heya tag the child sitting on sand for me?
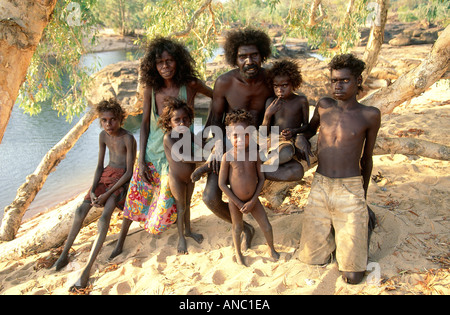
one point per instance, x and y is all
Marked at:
(287, 110)
(176, 119)
(110, 183)
(246, 181)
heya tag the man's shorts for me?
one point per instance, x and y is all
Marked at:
(338, 203)
(109, 178)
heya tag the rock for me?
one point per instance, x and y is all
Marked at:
(119, 80)
(429, 37)
(401, 40)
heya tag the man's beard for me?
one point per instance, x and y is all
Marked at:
(251, 75)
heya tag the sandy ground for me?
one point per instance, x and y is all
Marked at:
(409, 250)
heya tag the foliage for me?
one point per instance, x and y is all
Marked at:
(337, 31)
(122, 15)
(56, 74)
(255, 12)
(434, 11)
(194, 21)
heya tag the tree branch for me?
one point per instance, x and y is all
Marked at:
(313, 20)
(191, 23)
(416, 81)
(411, 146)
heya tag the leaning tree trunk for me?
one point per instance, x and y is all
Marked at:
(26, 193)
(376, 38)
(131, 101)
(416, 81)
(21, 25)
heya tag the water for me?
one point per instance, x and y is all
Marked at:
(27, 140)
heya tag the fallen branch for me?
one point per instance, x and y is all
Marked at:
(411, 146)
(52, 231)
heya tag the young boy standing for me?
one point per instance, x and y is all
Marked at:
(246, 181)
(109, 187)
(337, 200)
(286, 110)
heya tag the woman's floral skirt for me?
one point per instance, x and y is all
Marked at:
(151, 204)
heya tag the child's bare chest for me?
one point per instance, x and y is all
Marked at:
(336, 126)
(243, 168)
(290, 115)
(117, 150)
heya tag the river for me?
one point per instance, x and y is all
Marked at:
(27, 139)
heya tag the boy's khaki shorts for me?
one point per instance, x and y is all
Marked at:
(337, 202)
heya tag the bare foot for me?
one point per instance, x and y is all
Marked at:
(197, 237)
(240, 259)
(182, 246)
(274, 254)
(81, 283)
(200, 171)
(116, 252)
(61, 263)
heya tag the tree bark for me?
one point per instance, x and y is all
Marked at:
(411, 146)
(349, 12)
(34, 182)
(22, 23)
(313, 19)
(376, 38)
(416, 81)
(51, 232)
(106, 84)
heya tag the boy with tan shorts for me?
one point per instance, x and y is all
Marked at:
(337, 200)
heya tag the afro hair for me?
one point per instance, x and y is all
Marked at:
(185, 64)
(289, 68)
(249, 36)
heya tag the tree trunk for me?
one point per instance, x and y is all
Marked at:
(34, 182)
(21, 25)
(376, 38)
(119, 81)
(411, 146)
(313, 18)
(416, 81)
(349, 12)
(52, 231)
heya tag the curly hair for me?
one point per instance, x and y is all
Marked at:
(249, 36)
(172, 104)
(239, 116)
(185, 64)
(289, 68)
(111, 105)
(348, 61)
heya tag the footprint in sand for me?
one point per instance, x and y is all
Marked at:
(123, 288)
(218, 277)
